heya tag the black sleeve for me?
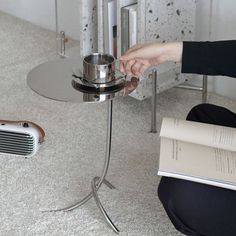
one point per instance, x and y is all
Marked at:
(210, 58)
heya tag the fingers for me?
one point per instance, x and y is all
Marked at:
(122, 66)
(128, 60)
(134, 67)
(128, 67)
(142, 69)
(132, 62)
(139, 67)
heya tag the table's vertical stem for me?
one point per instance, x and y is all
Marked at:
(108, 139)
(95, 186)
(154, 101)
(98, 181)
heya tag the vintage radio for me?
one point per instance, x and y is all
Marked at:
(21, 138)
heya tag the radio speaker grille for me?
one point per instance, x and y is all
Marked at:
(16, 143)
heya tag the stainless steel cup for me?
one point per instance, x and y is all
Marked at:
(99, 68)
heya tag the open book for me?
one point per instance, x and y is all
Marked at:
(198, 152)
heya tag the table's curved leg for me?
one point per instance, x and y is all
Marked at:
(97, 200)
(154, 102)
(106, 182)
(85, 199)
(97, 181)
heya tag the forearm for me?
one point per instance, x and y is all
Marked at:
(173, 51)
(210, 58)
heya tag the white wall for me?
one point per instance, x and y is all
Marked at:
(42, 13)
(222, 27)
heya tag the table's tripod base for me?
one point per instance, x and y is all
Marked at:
(94, 194)
(101, 208)
(98, 181)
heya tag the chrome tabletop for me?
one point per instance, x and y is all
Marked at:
(62, 80)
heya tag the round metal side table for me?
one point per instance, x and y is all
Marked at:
(62, 80)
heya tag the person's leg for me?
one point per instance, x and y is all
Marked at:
(199, 209)
(212, 114)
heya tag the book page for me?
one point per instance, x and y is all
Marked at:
(196, 160)
(200, 133)
(198, 179)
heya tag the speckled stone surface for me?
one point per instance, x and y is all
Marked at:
(168, 20)
(88, 27)
(163, 21)
(61, 172)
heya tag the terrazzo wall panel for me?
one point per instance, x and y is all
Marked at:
(163, 21)
(168, 20)
(88, 27)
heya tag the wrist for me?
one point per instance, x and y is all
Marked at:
(174, 51)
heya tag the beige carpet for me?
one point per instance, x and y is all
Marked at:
(61, 172)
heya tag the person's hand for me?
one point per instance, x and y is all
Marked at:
(130, 86)
(141, 56)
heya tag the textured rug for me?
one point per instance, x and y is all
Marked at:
(73, 153)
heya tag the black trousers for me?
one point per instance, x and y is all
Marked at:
(200, 209)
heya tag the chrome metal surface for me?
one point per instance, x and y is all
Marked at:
(203, 89)
(189, 87)
(95, 98)
(101, 208)
(99, 68)
(96, 184)
(63, 44)
(82, 84)
(154, 101)
(53, 79)
(107, 183)
(119, 77)
(101, 94)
